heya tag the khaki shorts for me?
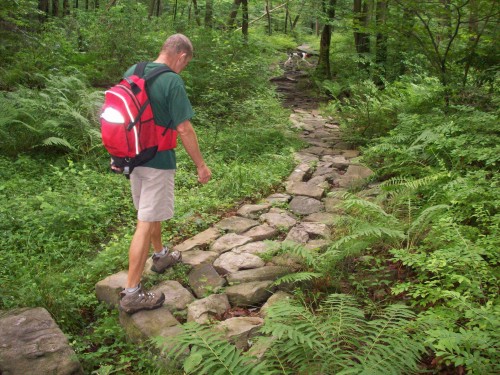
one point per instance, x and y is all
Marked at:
(153, 193)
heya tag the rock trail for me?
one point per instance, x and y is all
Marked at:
(227, 273)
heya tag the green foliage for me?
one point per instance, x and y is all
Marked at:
(337, 339)
(210, 353)
(61, 116)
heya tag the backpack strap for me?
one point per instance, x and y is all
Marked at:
(140, 67)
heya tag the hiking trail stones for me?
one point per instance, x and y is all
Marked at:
(236, 262)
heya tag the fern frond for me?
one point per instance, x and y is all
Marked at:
(57, 142)
(370, 231)
(297, 277)
(210, 353)
(297, 249)
(426, 216)
(400, 183)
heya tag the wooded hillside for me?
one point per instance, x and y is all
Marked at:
(413, 85)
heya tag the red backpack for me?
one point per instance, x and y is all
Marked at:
(129, 131)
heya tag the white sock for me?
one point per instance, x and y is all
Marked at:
(133, 290)
(163, 252)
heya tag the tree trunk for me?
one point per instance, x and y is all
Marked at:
(55, 8)
(209, 11)
(287, 16)
(43, 6)
(196, 12)
(86, 4)
(158, 8)
(323, 70)
(66, 8)
(244, 18)
(269, 26)
(233, 13)
(381, 42)
(361, 37)
(76, 4)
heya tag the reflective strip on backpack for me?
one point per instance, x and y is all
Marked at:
(136, 140)
(124, 102)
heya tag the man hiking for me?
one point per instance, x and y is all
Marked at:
(152, 183)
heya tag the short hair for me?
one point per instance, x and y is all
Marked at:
(177, 43)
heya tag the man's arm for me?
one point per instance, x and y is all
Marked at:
(190, 143)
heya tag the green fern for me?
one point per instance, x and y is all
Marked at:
(337, 339)
(297, 277)
(210, 353)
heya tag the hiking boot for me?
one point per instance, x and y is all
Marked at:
(161, 263)
(140, 300)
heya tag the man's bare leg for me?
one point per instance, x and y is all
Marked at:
(138, 252)
(156, 237)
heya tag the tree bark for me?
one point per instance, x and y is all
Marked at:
(209, 11)
(361, 37)
(381, 42)
(55, 8)
(269, 26)
(323, 70)
(66, 8)
(244, 18)
(233, 13)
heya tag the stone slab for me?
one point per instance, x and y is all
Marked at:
(261, 232)
(205, 280)
(145, 324)
(232, 261)
(302, 188)
(236, 224)
(240, 330)
(108, 290)
(201, 240)
(258, 274)
(253, 211)
(303, 205)
(198, 257)
(204, 310)
(228, 242)
(249, 294)
(176, 296)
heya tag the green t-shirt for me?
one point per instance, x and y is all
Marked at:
(171, 107)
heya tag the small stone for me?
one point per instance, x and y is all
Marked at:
(259, 247)
(278, 198)
(302, 188)
(297, 234)
(338, 161)
(278, 220)
(228, 242)
(108, 290)
(249, 294)
(197, 257)
(236, 224)
(259, 274)
(204, 310)
(315, 229)
(201, 240)
(276, 297)
(231, 262)
(240, 330)
(176, 296)
(204, 280)
(327, 218)
(253, 211)
(261, 232)
(145, 324)
(302, 205)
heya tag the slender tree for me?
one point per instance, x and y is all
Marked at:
(244, 18)
(381, 40)
(323, 68)
(209, 11)
(361, 36)
(231, 23)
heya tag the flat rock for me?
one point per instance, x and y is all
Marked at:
(279, 220)
(333, 205)
(327, 218)
(300, 172)
(201, 240)
(204, 310)
(349, 154)
(315, 229)
(320, 181)
(302, 188)
(236, 224)
(278, 198)
(31, 343)
(338, 161)
(176, 296)
(204, 280)
(249, 294)
(232, 261)
(229, 241)
(318, 151)
(317, 245)
(261, 232)
(240, 330)
(259, 247)
(305, 157)
(302, 205)
(253, 211)
(108, 290)
(297, 234)
(145, 324)
(353, 174)
(198, 257)
(259, 274)
(276, 297)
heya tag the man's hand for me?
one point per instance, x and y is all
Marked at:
(204, 173)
